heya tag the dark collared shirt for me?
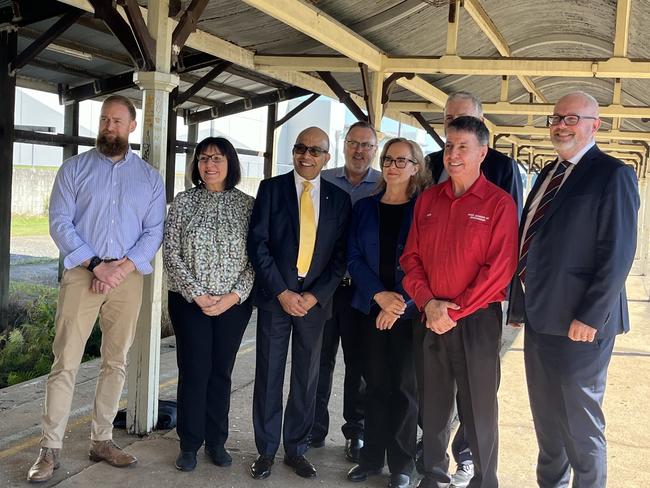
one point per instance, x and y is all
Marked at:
(462, 249)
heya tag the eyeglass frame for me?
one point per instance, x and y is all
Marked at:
(364, 146)
(394, 161)
(561, 118)
(314, 151)
(215, 158)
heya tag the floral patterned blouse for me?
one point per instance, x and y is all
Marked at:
(204, 246)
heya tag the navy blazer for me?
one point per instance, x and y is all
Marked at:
(363, 254)
(497, 168)
(581, 255)
(273, 240)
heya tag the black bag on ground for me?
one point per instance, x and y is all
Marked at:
(166, 416)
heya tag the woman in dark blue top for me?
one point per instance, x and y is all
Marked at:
(378, 231)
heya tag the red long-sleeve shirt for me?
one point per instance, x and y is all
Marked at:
(461, 249)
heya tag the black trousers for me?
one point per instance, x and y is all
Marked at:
(566, 385)
(342, 325)
(206, 348)
(459, 446)
(391, 396)
(464, 361)
(274, 328)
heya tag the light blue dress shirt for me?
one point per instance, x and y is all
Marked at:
(106, 209)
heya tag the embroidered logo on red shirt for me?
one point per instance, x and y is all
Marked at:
(480, 218)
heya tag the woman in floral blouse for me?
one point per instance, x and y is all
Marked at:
(210, 279)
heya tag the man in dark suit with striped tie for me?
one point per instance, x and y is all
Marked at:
(577, 244)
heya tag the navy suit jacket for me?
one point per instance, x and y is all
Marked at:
(273, 240)
(582, 253)
(363, 254)
(497, 168)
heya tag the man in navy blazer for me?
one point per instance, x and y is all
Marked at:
(291, 301)
(576, 249)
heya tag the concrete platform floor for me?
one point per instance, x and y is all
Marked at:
(627, 406)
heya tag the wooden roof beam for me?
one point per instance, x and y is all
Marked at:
(186, 25)
(485, 23)
(507, 108)
(622, 28)
(455, 65)
(58, 28)
(315, 23)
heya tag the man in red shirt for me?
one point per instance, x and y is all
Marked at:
(459, 257)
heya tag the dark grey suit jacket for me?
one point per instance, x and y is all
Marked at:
(273, 240)
(581, 255)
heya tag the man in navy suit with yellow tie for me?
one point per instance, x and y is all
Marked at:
(577, 244)
(296, 244)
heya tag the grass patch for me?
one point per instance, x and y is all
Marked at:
(23, 226)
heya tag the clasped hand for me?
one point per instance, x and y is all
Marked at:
(214, 305)
(297, 304)
(392, 306)
(438, 319)
(108, 276)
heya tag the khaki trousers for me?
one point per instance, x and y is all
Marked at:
(76, 313)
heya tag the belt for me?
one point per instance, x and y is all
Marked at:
(109, 260)
(301, 279)
(346, 282)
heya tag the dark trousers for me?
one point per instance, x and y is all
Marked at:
(274, 328)
(459, 446)
(391, 396)
(566, 385)
(206, 348)
(465, 362)
(343, 326)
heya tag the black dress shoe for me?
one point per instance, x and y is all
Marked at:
(399, 480)
(361, 473)
(261, 468)
(219, 455)
(186, 461)
(353, 449)
(301, 466)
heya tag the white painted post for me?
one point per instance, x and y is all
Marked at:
(144, 357)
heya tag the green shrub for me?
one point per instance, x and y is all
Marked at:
(26, 346)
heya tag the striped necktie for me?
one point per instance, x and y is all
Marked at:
(307, 229)
(544, 204)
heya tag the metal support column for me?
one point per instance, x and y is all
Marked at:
(271, 117)
(144, 357)
(192, 136)
(7, 95)
(70, 128)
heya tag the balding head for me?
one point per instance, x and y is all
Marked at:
(311, 152)
(569, 140)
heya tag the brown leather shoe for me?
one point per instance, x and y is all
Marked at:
(111, 453)
(43, 468)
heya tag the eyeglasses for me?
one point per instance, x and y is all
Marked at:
(568, 119)
(364, 146)
(399, 162)
(215, 158)
(314, 151)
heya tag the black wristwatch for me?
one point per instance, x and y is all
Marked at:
(94, 262)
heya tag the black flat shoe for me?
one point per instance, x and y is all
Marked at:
(219, 455)
(361, 473)
(399, 480)
(186, 461)
(301, 466)
(261, 468)
(353, 449)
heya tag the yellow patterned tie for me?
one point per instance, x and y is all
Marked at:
(307, 229)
